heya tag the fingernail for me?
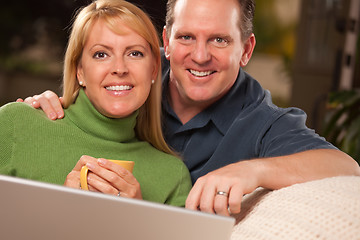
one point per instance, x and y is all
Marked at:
(90, 166)
(101, 161)
(33, 103)
(60, 114)
(52, 115)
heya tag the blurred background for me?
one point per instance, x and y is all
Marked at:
(307, 55)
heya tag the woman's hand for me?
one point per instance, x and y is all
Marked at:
(106, 177)
(48, 101)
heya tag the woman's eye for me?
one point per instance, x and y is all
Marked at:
(100, 55)
(136, 54)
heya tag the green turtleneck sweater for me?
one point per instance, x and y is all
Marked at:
(34, 147)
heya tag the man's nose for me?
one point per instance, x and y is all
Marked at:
(200, 53)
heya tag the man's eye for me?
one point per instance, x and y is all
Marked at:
(186, 37)
(220, 42)
(99, 55)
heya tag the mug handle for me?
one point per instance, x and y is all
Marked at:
(83, 178)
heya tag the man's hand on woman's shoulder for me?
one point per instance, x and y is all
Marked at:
(48, 101)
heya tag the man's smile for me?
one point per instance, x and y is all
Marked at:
(200, 73)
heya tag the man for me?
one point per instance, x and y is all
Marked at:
(231, 136)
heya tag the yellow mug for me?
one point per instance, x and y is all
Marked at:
(129, 165)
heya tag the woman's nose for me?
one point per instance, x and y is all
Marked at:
(119, 67)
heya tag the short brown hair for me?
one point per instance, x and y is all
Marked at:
(247, 8)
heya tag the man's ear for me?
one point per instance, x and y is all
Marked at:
(249, 46)
(166, 43)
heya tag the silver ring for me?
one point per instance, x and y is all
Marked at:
(225, 194)
(119, 194)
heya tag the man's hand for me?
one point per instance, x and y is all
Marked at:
(244, 177)
(48, 101)
(221, 191)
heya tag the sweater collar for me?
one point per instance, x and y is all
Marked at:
(84, 115)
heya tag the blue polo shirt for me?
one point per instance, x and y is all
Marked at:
(242, 125)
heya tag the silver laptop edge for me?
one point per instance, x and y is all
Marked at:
(36, 210)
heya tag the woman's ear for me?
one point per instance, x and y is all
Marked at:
(155, 72)
(249, 46)
(166, 43)
(80, 75)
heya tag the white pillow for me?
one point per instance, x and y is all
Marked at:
(322, 209)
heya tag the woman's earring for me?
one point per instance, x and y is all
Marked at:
(81, 83)
(152, 81)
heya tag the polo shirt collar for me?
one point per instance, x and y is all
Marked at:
(222, 113)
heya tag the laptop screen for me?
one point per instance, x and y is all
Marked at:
(36, 210)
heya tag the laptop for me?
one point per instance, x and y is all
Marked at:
(36, 210)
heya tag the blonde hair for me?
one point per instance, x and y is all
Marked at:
(148, 126)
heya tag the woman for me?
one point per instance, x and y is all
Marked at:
(111, 88)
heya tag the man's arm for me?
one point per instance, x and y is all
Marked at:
(243, 177)
(272, 173)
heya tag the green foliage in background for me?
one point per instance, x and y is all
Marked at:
(24, 25)
(273, 36)
(342, 124)
(13, 64)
